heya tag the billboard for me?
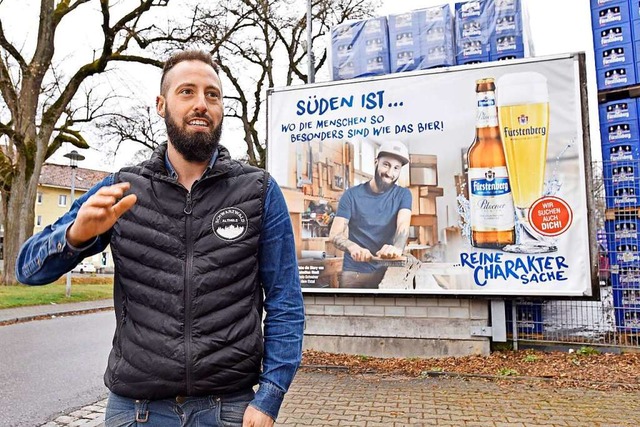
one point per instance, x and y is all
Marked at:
(469, 180)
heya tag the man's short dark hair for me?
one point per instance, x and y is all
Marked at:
(186, 55)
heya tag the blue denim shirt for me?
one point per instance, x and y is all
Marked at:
(47, 255)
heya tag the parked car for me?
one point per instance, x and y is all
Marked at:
(84, 267)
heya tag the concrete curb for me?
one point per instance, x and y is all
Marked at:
(25, 314)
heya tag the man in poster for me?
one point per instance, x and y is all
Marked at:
(373, 220)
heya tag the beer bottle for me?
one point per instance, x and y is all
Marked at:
(491, 205)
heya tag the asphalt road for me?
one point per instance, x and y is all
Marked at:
(49, 366)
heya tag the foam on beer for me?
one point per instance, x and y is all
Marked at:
(522, 88)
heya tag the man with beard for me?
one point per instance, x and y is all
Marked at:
(202, 246)
(373, 219)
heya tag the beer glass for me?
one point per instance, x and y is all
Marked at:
(523, 114)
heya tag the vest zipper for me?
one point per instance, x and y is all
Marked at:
(187, 293)
(187, 207)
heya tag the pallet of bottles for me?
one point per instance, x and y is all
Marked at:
(616, 38)
(625, 283)
(474, 31)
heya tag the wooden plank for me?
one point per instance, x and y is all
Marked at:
(617, 213)
(294, 199)
(424, 220)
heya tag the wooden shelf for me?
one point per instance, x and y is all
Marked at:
(618, 93)
(616, 213)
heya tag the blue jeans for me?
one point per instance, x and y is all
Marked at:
(206, 411)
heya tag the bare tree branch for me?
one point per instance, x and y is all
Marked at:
(99, 65)
(6, 45)
(7, 88)
(64, 9)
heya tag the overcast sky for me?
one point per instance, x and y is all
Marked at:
(557, 26)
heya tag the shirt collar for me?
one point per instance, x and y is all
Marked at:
(172, 172)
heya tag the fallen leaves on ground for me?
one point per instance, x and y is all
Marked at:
(583, 368)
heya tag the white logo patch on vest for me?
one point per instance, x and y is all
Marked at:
(230, 224)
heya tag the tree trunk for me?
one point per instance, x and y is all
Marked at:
(20, 206)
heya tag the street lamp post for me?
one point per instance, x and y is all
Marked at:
(74, 157)
(311, 73)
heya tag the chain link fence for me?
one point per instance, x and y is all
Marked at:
(613, 320)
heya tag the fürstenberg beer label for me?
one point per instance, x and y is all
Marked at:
(486, 115)
(490, 199)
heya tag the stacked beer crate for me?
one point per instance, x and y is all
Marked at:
(616, 34)
(421, 39)
(476, 31)
(491, 30)
(360, 49)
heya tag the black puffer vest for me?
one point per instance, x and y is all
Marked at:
(187, 295)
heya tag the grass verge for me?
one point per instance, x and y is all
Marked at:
(83, 288)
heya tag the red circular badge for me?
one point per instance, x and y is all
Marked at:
(550, 216)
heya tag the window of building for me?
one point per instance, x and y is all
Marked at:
(62, 200)
(39, 221)
(39, 198)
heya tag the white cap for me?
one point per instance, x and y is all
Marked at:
(396, 149)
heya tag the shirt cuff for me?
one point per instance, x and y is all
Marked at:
(268, 399)
(76, 250)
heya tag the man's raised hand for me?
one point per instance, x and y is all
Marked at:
(100, 212)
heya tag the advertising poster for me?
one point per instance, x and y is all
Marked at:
(467, 180)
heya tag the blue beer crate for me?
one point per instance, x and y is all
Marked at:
(400, 40)
(622, 178)
(435, 26)
(635, 29)
(610, 14)
(404, 22)
(437, 47)
(634, 6)
(344, 51)
(374, 27)
(625, 253)
(360, 49)
(613, 36)
(375, 46)
(621, 151)
(472, 52)
(620, 173)
(620, 131)
(623, 196)
(506, 44)
(404, 42)
(615, 56)
(507, 56)
(437, 56)
(626, 298)
(528, 315)
(404, 60)
(621, 229)
(616, 77)
(625, 277)
(507, 7)
(628, 319)
(346, 70)
(474, 10)
(436, 35)
(618, 111)
(508, 24)
(376, 65)
(602, 3)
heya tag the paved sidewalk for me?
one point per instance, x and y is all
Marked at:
(333, 398)
(325, 398)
